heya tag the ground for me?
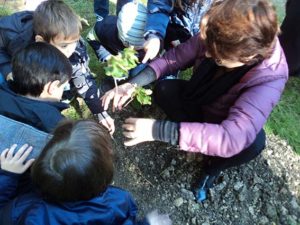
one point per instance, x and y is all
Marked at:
(265, 191)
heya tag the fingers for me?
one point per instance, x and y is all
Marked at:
(25, 155)
(131, 142)
(128, 127)
(10, 153)
(3, 154)
(20, 152)
(131, 120)
(28, 164)
(108, 96)
(147, 56)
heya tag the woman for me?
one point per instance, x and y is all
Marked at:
(238, 77)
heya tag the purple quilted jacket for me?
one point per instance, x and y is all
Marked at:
(235, 118)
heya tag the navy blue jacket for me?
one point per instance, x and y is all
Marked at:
(16, 32)
(43, 115)
(113, 207)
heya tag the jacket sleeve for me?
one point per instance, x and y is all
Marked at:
(158, 17)
(8, 188)
(238, 131)
(83, 80)
(179, 58)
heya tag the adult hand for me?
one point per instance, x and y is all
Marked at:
(119, 95)
(15, 162)
(138, 130)
(151, 48)
(108, 122)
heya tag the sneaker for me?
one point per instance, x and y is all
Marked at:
(206, 182)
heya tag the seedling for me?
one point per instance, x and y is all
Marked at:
(118, 67)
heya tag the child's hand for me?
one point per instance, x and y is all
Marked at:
(15, 162)
(154, 218)
(151, 47)
(108, 122)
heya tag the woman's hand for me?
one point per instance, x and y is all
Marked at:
(14, 163)
(138, 130)
(120, 95)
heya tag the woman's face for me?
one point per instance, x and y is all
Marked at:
(226, 63)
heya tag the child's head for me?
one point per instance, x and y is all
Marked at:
(40, 70)
(241, 31)
(56, 23)
(76, 164)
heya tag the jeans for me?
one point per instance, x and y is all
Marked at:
(14, 132)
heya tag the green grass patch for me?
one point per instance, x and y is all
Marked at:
(285, 118)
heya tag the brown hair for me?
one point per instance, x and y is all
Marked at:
(53, 18)
(76, 164)
(240, 30)
(180, 3)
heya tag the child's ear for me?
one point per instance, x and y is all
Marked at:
(52, 86)
(39, 38)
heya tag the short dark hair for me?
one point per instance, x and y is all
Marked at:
(238, 29)
(36, 65)
(54, 17)
(76, 164)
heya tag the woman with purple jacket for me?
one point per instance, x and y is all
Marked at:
(239, 74)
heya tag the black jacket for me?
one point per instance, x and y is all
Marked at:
(16, 32)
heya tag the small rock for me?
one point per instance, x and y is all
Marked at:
(283, 210)
(294, 203)
(238, 185)
(194, 220)
(178, 202)
(271, 211)
(205, 223)
(292, 220)
(264, 220)
(221, 186)
(166, 174)
(187, 194)
(173, 162)
(251, 210)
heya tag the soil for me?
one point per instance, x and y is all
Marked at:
(159, 176)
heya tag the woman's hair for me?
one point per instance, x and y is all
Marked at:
(240, 30)
(76, 164)
(180, 3)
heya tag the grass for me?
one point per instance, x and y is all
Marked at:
(285, 118)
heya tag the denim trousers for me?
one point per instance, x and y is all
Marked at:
(14, 132)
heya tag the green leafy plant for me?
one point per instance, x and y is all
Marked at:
(118, 67)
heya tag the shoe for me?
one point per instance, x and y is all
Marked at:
(206, 182)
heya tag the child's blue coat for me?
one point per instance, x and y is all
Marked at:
(114, 206)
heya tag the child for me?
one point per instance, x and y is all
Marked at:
(290, 36)
(40, 73)
(167, 23)
(71, 182)
(56, 23)
(239, 74)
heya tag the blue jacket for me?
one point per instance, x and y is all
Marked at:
(42, 115)
(161, 13)
(27, 207)
(16, 32)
